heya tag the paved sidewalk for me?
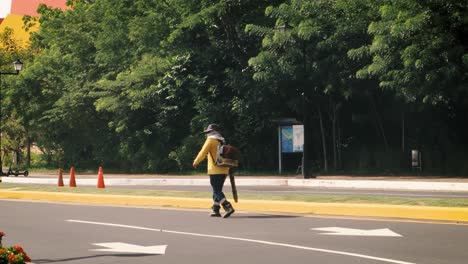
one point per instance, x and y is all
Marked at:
(408, 183)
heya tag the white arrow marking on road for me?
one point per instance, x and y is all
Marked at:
(247, 240)
(130, 248)
(340, 231)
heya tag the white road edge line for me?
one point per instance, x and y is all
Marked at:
(247, 240)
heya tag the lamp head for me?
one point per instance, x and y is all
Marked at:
(18, 66)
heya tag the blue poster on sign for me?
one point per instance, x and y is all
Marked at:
(287, 139)
(292, 139)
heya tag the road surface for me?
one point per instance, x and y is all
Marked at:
(78, 233)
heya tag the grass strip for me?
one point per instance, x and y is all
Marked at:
(352, 199)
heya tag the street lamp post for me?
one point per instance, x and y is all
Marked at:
(18, 67)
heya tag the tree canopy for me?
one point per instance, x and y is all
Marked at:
(131, 84)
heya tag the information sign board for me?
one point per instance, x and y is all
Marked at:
(292, 139)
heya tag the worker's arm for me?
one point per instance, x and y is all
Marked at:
(202, 154)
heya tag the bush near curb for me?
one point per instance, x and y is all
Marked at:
(12, 255)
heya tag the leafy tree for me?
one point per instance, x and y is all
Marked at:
(129, 84)
(214, 35)
(419, 49)
(306, 51)
(13, 123)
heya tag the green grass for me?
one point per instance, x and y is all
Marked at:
(360, 199)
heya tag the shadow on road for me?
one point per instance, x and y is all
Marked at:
(37, 261)
(264, 216)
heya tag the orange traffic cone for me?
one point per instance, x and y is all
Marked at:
(100, 183)
(60, 178)
(72, 177)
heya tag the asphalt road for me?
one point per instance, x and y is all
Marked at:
(68, 233)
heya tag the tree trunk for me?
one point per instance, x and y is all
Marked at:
(1, 157)
(403, 143)
(378, 120)
(340, 163)
(1, 147)
(306, 161)
(402, 131)
(28, 153)
(324, 144)
(335, 157)
(334, 109)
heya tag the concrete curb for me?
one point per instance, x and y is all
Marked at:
(372, 210)
(357, 184)
(382, 185)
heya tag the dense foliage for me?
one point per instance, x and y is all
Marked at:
(130, 84)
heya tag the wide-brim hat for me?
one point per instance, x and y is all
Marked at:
(212, 127)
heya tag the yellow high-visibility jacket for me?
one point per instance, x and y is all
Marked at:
(209, 151)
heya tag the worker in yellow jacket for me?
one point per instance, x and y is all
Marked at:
(217, 174)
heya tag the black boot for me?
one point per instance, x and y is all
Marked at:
(215, 212)
(227, 206)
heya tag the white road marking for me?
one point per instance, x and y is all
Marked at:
(130, 248)
(340, 231)
(248, 240)
(116, 225)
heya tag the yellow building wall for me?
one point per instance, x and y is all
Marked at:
(15, 22)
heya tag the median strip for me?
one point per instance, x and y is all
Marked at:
(375, 210)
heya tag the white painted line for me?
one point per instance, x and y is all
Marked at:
(340, 231)
(130, 248)
(250, 240)
(116, 225)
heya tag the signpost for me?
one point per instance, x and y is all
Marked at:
(290, 140)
